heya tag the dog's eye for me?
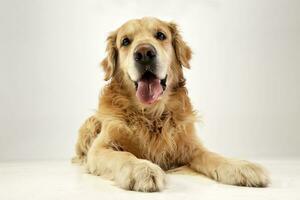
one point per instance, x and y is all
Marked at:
(126, 42)
(160, 36)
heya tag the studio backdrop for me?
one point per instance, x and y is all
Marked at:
(244, 79)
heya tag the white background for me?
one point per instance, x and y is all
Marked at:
(244, 81)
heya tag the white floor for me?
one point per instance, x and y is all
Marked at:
(62, 180)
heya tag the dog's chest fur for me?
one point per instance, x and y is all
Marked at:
(164, 135)
(159, 139)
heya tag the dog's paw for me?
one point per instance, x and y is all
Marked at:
(143, 176)
(241, 173)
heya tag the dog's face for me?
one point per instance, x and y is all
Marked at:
(150, 53)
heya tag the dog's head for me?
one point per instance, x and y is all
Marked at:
(149, 53)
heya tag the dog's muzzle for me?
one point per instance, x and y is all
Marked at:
(148, 87)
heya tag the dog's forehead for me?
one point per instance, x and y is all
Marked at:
(144, 25)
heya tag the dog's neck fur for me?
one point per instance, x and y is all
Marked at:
(119, 96)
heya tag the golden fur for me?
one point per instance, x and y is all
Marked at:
(132, 143)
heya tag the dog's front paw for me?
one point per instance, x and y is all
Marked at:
(242, 173)
(142, 176)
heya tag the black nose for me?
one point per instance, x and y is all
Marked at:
(144, 54)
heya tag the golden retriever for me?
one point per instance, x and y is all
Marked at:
(145, 123)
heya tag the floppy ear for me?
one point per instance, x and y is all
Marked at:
(182, 50)
(110, 61)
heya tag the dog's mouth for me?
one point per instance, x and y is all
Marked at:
(149, 87)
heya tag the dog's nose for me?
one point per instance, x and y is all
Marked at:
(144, 54)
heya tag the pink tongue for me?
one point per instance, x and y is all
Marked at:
(148, 91)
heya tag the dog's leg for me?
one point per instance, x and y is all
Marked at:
(87, 133)
(229, 171)
(128, 171)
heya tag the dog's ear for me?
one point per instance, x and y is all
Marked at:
(182, 50)
(110, 61)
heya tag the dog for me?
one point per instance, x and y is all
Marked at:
(145, 123)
